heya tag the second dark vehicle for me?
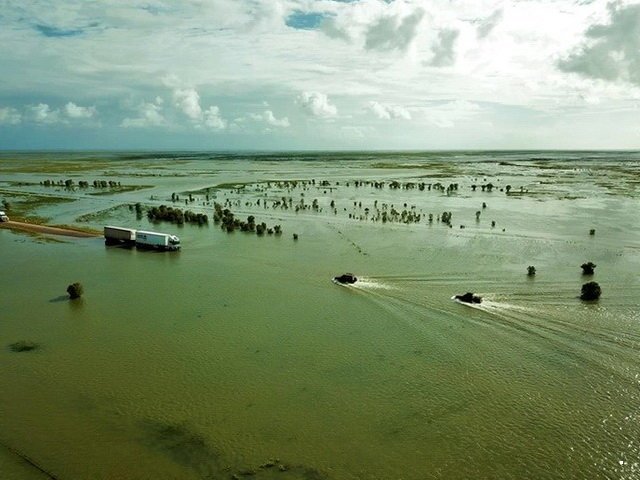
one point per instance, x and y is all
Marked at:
(346, 279)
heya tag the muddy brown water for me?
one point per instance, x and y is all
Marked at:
(238, 355)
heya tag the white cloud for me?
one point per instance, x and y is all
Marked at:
(9, 116)
(610, 51)
(232, 54)
(317, 104)
(388, 112)
(42, 113)
(149, 115)
(444, 49)
(376, 25)
(486, 26)
(270, 119)
(393, 32)
(212, 118)
(188, 101)
(75, 111)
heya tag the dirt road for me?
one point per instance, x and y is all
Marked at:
(33, 228)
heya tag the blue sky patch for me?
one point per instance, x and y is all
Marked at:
(305, 21)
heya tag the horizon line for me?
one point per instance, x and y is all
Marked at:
(272, 151)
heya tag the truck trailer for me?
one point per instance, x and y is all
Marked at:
(159, 241)
(116, 235)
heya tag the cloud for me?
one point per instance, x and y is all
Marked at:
(488, 24)
(43, 114)
(610, 51)
(270, 119)
(75, 111)
(49, 31)
(333, 29)
(388, 112)
(375, 25)
(232, 54)
(317, 104)
(188, 101)
(444, 49)
(392, 32)
(9, 116)
(212, 118)
(149, 115)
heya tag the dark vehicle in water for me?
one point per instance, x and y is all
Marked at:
(468, 298)
(346, 279)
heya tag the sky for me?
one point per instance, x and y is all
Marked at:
(319, 74)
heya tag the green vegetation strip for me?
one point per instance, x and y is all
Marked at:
(100, 214)
(21, 206)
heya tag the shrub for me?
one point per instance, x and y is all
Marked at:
(590, 291)
(75, 290)
(531, 270)
(587, 268)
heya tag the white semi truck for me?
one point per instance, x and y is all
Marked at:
(160, 241)
(140, 238)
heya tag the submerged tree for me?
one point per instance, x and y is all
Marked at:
(590, 291)
(587, 268)
(75, 290)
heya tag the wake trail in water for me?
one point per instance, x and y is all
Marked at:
(365, 283)
(403, 297)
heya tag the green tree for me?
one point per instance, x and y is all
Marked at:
(531, 270)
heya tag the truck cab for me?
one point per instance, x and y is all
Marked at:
(174, 241)
(3, 217)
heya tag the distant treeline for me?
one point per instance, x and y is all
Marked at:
(175, 215)
(81, 183)
(230, 223)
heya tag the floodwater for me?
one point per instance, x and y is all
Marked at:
(239, 356)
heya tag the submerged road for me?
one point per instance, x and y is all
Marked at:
(34, 228)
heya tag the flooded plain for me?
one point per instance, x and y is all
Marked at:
(238, 357)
